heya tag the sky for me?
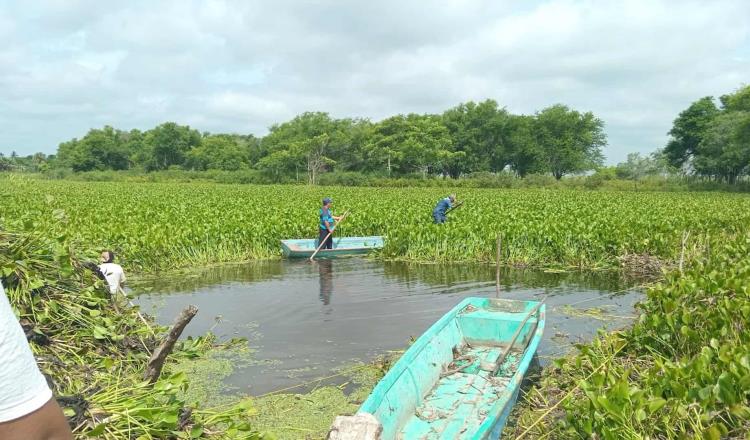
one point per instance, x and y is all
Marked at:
(240, 66)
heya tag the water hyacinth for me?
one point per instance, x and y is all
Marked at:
(156, 226)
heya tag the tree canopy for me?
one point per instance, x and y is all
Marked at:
(470, 137)
(712, 141)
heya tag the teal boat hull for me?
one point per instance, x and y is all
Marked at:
(342, 247)
(445, 386)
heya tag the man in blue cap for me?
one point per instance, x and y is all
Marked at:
(438, 214)
(327, 224)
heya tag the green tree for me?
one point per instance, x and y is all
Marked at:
(737, 101)
(688, 130)
(412, 143)
(311, 142)
(481, 132)
(168, 145)
(637, 166)
(525, 154)
(218, 152)
(99, 149)
(571, 141)
(724, 151)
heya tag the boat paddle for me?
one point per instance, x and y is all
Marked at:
(329, 234)
(501, 358)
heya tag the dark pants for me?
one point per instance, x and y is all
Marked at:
(438, 217)
(329, 242)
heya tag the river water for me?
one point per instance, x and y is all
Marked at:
(305, 319)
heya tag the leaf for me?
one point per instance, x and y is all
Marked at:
(97, 431)
(196, 432)
(656, 404)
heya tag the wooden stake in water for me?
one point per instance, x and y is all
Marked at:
(497, 264)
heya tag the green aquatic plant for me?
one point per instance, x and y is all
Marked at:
(155, 226)
(681, 371)
(95, 354)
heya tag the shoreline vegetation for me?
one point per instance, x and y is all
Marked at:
(95, 352)
(681, 371)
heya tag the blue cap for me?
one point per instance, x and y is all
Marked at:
(327, 200)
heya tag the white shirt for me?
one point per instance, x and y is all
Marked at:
(23, 389)
(114, 275)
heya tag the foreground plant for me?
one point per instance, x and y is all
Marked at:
(94, 357)
(682, 371)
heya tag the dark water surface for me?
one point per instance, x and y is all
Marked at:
(307, 319)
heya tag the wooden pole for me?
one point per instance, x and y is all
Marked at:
(502, 357)
(497, 264)
(329, 234)
(156, 362)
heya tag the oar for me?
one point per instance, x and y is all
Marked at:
(329, 234)
(501, 358)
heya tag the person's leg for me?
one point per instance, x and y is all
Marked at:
(321, 236)
(46, 423)
(329, 242)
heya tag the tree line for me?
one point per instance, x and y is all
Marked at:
(469, 138)
(707, 140)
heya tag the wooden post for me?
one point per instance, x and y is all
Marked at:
(497, 264)
(156, 362)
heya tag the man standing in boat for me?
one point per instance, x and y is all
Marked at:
(327, 224)
(441, 209)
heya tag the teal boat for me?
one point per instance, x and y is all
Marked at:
(342, 246)
(448, 385)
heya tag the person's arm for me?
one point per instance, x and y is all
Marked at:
(328, 226)
(46, 423)
(28, 411)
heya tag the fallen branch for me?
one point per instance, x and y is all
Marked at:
(156, 362)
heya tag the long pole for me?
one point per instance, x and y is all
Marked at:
(329, 234)
(502, 357)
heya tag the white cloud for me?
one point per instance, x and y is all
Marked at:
(239, 66)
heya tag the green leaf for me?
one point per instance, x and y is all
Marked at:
(656, 404)
(196, 432)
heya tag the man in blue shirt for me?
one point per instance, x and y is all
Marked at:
(438, 214)
(327, 224)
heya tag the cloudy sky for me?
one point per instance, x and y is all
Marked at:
(223, 66)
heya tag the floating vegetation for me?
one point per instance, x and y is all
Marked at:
(168, 225)
(600, 313)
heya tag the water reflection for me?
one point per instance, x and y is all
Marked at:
(189, 280)
(325, 273)
(449, 274)
(408, 274)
